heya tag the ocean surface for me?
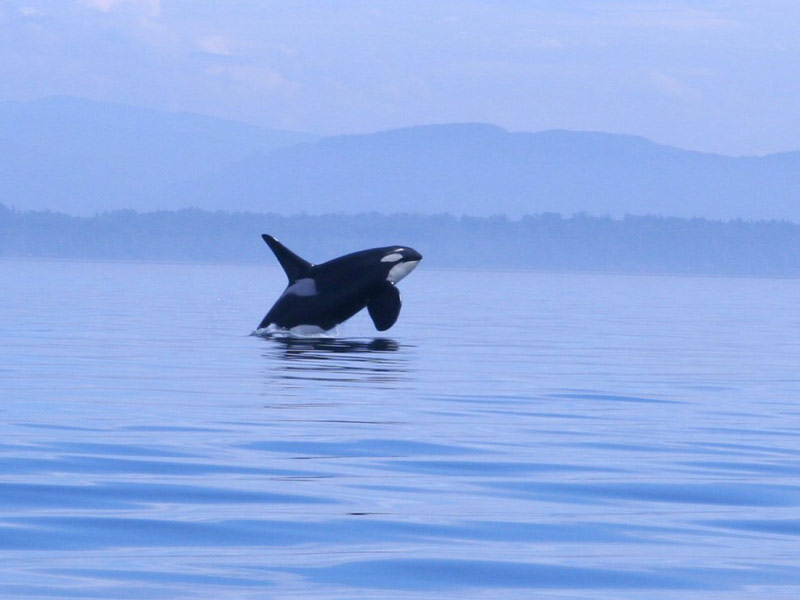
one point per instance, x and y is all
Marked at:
(515, 435)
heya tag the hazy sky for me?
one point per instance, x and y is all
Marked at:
(718, 75)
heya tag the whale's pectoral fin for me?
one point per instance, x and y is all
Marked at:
(384, 306)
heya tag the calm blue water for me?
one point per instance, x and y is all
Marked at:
(514, 436)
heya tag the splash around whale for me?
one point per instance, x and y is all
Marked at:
(318, 298)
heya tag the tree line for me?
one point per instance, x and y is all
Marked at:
(581, 242)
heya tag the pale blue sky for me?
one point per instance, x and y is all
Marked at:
(717, 75)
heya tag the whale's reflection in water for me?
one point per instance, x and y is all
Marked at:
(374, 360)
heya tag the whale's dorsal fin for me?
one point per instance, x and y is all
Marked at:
(294, 266)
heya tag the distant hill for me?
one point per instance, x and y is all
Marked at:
(80, 156)
(483, 170)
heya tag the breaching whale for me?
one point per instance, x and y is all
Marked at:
(322, 296)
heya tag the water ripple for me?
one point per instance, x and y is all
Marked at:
(521, 435)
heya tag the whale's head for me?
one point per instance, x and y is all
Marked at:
(400, 261)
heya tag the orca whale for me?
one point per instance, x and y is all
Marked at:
(320, 297)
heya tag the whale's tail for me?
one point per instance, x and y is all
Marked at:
(294, 266)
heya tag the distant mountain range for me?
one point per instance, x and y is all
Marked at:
(80, 157)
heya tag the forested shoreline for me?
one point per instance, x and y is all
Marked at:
(634, 244)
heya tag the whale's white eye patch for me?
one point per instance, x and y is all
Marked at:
(393, 257)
